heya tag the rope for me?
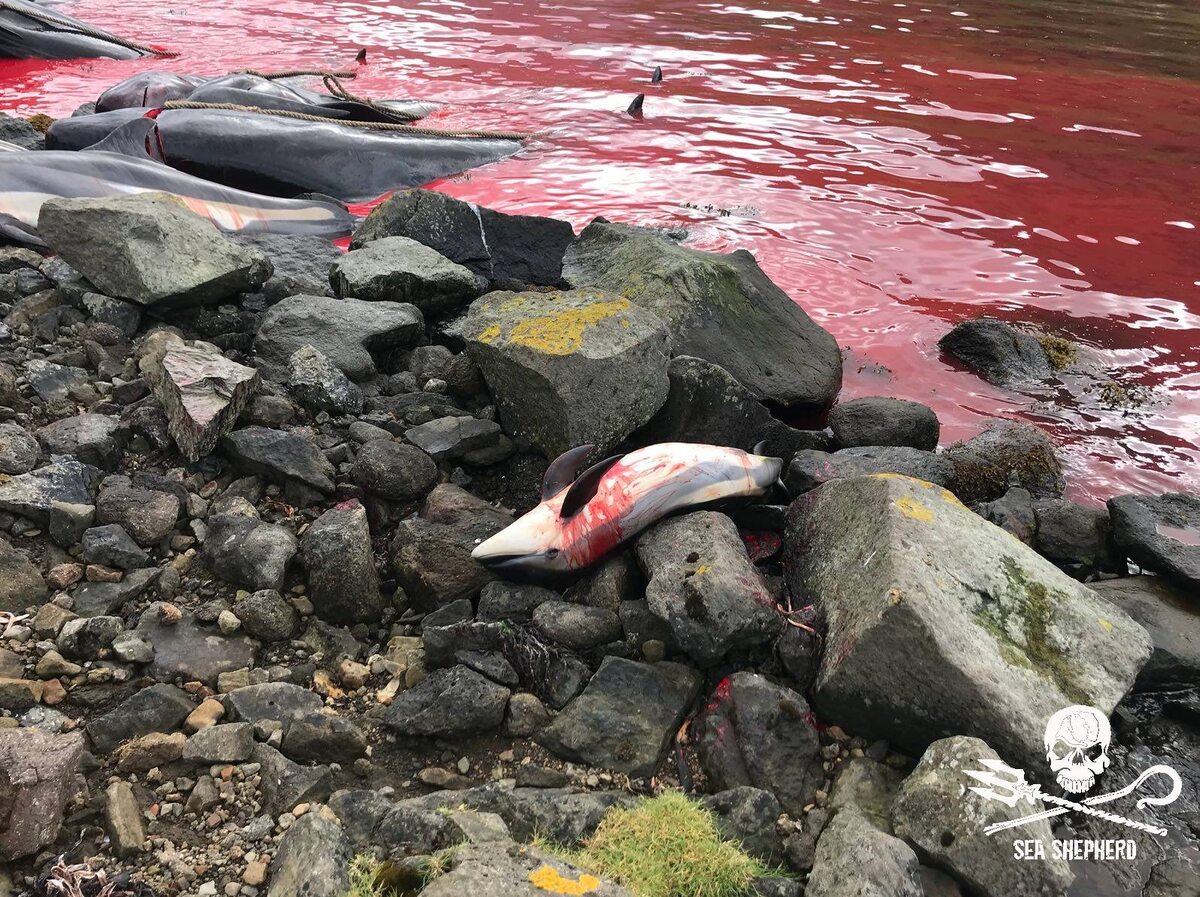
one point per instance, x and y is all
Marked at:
(335, 87)
(85, 30)
(367, 125)
(298, 73)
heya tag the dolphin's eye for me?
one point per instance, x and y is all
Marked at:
(551, 553)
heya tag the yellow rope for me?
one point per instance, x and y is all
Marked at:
(85, 30)
(367, 125)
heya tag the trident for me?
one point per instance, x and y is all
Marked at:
(1012, 788)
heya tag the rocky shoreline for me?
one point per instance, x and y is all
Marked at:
(243, 639)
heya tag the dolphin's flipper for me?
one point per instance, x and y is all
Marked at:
(562, 470)
(584, 489)
(138, 139)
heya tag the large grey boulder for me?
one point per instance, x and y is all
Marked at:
(701, 583)
(719, 307)
(37, 776)
(202, 392)
(1007, 453)
(397, 269)
(95, 439)
(855, 859)
(756, 732)
(706, 404)
(300, 262)
(449, 702)
(1171, 614)
(249, 552)
(342, 582)
(998, 352)
(945, 823)
(149, 248)
(910, 581)
(313, 860)
(507, 869)
(881, 420)
(33, 494)
(1160, 532)
(281, 456)
(809, 468)
(346, 331)
(395, 471)
(568, 368)
(625, 717)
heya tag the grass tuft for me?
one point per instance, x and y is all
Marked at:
(666, 846)
(371, 877)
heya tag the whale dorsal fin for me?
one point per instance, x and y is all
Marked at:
(137, 139)
(563, 470)
(584, 489)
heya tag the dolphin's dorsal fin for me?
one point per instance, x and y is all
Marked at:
(563, 470)
(584, 489)
(137, 139)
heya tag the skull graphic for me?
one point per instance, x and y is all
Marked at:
(1077, 740)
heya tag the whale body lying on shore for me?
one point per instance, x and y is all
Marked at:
(151, 90)
(285, 157)
(28, 31)
(27, 179)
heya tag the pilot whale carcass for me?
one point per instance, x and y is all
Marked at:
(27, 179)
(581, 519)
(31, 31)
(286, 157)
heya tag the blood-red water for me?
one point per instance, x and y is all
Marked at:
(895, 166)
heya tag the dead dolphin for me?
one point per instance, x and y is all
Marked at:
(247, 151)
(30, 31)
(581, 519)
(27, 179)
(155, 89)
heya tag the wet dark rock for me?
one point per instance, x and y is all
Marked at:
(313, 860)
(342, 582)
(32, 494)
(577, 626)
(701, 583)
(286, 783)
(248, 552)
(278, 701)
(460, 611)
(453, 437)
(125, 316)
(761, 734)
(21, 583)
(318, 383)
(266, 615)
(718, 307)
(320, 738)
(1161, 533)
(1005, 454)
(448, 702)
(397, 269)
(112, 546)
(280, 456)
(544, 354)
(157, 708)
(37, 777)
(187, 651)
(1076, 537)
(614, 580)
(431, 553)
(19, 450)
(54, 382)
(706, 404)
(877, 421)
(22, 133)
(150, 249)
(441, 222)
(394, 471)
(444, 643)
(459, 372)
(148, 515)
(1171, 614)
(810, 469)
(625, 717)
(346, 331)
(747, 816)
(499, 601)
(525, 249)
(1013, 512)
(301, 262)
(998, 351)
(85, 637)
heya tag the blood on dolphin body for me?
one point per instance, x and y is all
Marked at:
(577, 524)
(30, 31)
(242, 150)
(28, 179)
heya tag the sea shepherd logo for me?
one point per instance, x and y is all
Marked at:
(1077, 741)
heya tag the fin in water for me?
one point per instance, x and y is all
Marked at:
(584, 489)
(635, 108)
(563, 470)
(138, 139)
(657, 76)
(361, 58)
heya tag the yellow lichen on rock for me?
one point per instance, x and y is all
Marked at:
(489, 334)
(910, 507)
(547, 878)
(561, 333)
